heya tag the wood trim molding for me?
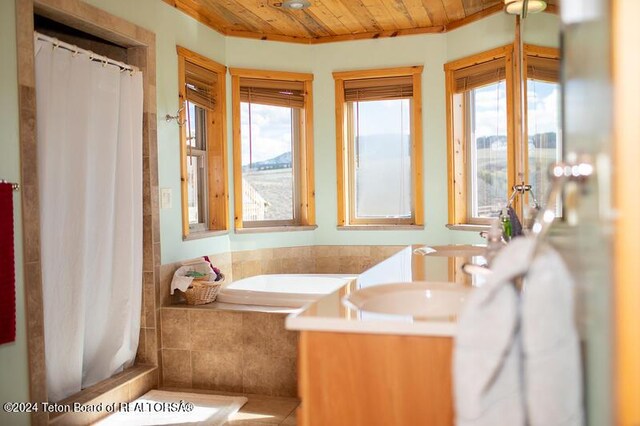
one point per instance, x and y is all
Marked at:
(341, 153)
(478, 58)
(306, 160)
(201, 60)
(237, 151)
(378, 73)
(474, 17)
(219, 26)
(184, 199)
(271, 75)
(217, 179)
(417, 153)
(344, 155)
(541, 51)
(456, 135)
(308, 191)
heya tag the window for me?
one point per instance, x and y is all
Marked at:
(483, 155)
(273, 150)
(544, 138)
(202, 119)
(379, 146)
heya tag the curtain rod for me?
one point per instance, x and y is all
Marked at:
(75, 49)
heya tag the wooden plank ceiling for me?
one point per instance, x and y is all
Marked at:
(337, 20)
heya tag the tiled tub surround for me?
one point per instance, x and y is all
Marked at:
(286, 260)
(230, 351)
(247, 349)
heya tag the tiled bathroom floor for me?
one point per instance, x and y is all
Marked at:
(260, 410)
(266, 411)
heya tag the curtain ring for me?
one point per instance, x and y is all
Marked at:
(75, 53)
(104, 63)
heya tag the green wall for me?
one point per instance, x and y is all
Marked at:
(14, 382)
(430, 50)
(172, 27)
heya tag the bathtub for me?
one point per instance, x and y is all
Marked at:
(283, 290)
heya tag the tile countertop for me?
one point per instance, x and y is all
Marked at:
(330, 313)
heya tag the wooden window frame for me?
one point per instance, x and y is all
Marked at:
(344, 155)
(457, 135)
(304, 176)
(216, 152)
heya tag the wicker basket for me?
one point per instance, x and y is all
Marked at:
(203, 291)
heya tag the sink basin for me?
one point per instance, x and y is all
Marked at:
(461, 250)
(424, 300)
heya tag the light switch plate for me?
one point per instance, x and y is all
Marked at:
(165, 198)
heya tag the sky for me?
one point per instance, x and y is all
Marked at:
(542, 105)
(271, 125)
(270, 131)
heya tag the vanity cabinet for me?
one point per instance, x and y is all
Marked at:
(356, 379)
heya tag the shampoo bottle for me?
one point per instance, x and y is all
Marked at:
(507, 230)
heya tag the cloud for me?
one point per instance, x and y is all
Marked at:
(270, 131)
(384, 117)
(543, 107)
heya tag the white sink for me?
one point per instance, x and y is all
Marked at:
(423, 300)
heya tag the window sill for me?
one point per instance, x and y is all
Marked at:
(198, 235)
(468, 227)
(380, 227)
(265, 229)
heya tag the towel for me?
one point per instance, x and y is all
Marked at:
(516, 226)
(551, 346)
(487, 360)
(182, 282)
(516, 359)
(7, 267)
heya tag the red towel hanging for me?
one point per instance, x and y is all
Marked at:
(7, 271)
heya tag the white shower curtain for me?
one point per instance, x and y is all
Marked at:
(89, 128)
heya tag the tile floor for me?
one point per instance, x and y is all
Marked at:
(260, 410)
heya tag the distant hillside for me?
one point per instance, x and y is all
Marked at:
(539, 140)
(282, 161)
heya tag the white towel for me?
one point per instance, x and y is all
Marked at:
(487, 357)
(182, 282)
(508, 358)
(553, 372)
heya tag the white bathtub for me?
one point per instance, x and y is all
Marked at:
(285, 290)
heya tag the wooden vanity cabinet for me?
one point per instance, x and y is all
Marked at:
(374, 379)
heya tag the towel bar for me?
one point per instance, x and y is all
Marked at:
(15, 186)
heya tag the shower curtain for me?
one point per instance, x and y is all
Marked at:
(89, 124)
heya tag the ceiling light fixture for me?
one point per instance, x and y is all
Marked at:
(523, 7)
(295, 4)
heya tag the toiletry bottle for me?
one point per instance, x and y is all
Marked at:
(507, 230)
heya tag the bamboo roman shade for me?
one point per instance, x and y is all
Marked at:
(375, 89)
(545, 69)
(478, 75)
(200, 85)
(272, 92)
